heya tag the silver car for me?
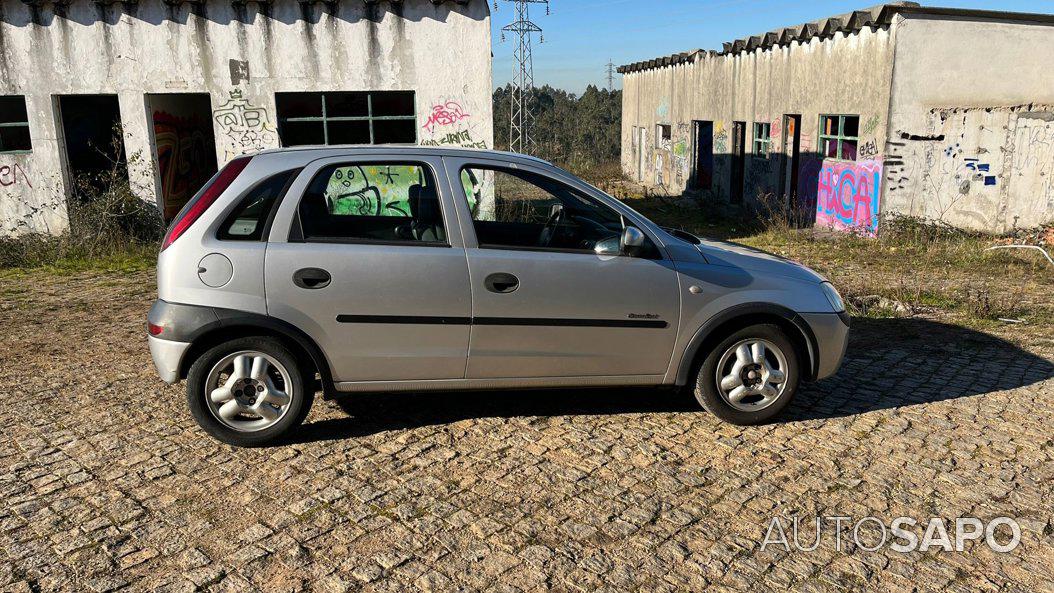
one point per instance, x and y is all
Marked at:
(366, 269)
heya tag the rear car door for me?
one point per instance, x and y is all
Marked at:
(544, 304)
(366, 257)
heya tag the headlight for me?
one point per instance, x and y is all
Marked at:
(833, 297)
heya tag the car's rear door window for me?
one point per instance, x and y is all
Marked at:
(392, 202)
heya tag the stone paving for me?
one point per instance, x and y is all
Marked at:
(107, 484)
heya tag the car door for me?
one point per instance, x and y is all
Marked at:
(364, 257)
(557, 309)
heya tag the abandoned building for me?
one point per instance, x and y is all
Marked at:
(940, 113)
(168, 91)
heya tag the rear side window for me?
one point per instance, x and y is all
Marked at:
(248, 221)
(373, 203)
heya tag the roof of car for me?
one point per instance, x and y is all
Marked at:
(408, 149)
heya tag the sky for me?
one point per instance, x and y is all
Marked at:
(580, 36)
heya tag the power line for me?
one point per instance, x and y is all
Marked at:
(521, 115)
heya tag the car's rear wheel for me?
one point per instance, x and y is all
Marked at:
(248, 391)
(750, 376)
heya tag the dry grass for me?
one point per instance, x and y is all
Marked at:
(926, 268)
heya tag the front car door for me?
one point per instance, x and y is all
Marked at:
(544, 304)
(367, 258)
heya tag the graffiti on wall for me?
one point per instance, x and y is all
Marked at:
(868, 150)
(720, 137)
(14, 175)
(186, 158)
(381, 190)
(869, 126)
(245, 126)
(449, 123)
(444, 114)
(847, 195)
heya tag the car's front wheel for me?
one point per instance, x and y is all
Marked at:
(248, 391)
(750, 376)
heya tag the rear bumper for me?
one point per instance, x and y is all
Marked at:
(168, 356)
(831, 331)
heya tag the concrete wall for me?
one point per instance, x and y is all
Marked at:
(848, 74)
(972, 124)
(240, 56)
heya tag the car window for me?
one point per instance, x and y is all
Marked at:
(517, 209)
(386, 202)
(247, 221)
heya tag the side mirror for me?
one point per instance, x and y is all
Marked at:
(632, 241)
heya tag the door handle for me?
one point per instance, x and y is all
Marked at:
(501, 283)
(312, 278)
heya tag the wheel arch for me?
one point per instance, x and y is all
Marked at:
(737, 317)
(231, 325)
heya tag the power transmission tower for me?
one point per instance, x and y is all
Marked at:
(611, 75)
(521, 115)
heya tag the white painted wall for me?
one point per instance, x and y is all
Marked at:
(442, 52)
(847, 74)
(972, 94)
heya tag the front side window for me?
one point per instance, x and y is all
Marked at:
(14, 125)
(521, 210)
(762, 139)
(374, 202)
(374, 117)
(839, 136)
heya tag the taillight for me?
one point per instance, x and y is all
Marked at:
(154, 329)
(220, 183)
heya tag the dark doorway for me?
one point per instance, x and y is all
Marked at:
(184, 145)
(703, 165)
(791, 158)
(91, 132)
(739, 139)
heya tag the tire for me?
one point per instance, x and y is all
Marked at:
(249, 392)
(755, 403)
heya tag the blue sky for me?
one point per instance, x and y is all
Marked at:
(581, 35)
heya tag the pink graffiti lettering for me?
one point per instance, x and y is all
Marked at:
(445, 114)
(12, 174)
(847, 195)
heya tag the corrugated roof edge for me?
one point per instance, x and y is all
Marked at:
(875, 16)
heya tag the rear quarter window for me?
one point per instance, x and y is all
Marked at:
(249, 219)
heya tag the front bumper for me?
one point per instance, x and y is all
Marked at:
(831, 331)
(168, 356)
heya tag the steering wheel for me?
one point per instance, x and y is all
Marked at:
(548, 233)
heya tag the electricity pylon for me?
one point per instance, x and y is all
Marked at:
(611, 75)
(521, 115)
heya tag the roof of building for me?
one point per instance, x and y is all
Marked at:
(177, 2)
(850, 22)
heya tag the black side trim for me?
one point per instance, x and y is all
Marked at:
(532, 321)
(517, 321)
(404, 319)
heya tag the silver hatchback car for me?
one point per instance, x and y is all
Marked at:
(366, 269)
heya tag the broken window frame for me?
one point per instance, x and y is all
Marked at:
(839, 137)
(17, 124)
(663, 132)
(762, 139)
(325, 119)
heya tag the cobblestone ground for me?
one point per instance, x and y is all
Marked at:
(107, 483)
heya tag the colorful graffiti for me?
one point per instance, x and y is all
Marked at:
(381, 190)
(462, 138)
(847, 195)
(245, 125)
(13, 175)
(186, 158)
(445, 114)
